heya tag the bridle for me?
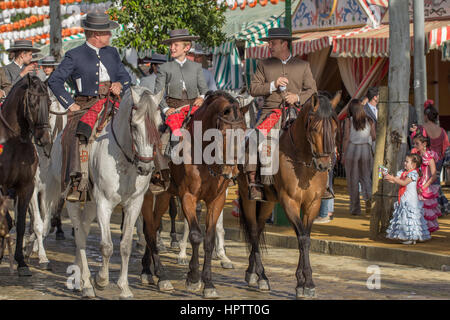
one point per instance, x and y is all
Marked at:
(314, 156)
(42, 121)
(136, 157)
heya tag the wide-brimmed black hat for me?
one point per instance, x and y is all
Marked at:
(48, 61)
(279, 33)
(98, 21)
(23, 45)
(156, 58)
(180, 35)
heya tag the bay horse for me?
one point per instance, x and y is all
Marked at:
(121, 161)
(192, 182)
(24, 116)
(305, 150)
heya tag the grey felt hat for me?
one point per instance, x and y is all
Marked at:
(180, 35)
(23, 45)
(279, 33)
(98, 21)
(48, 61)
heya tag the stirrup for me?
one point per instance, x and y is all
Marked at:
(74, 195)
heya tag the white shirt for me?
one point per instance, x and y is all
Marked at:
(181, 63)
(20, 66)
(374, 110)
(103, 73)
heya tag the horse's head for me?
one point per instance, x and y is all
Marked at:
(321, 130)
(36, 112)
(143, 125)
(222, 112)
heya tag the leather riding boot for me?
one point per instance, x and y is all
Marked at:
(254, 189)
(160, 179)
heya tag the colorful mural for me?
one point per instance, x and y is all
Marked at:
(433, 9)
(317, 14)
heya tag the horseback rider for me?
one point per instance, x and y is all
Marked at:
(96, 70)
(21, 52)
(184, 84)
(283, 80)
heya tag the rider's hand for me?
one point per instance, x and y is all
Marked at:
(281, 81)
(74, 107)
(291, 98)
(27, 69)
(198, 101)
(170, 111)
(2, 93)
(116, 88)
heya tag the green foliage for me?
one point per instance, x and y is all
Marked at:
(148, 22)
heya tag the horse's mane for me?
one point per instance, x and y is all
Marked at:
(22, 84)
(208, 107)
(152, 117)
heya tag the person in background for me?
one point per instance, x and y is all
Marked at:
(37, 71)
(357, 156)
(21, 53)
(427, 187)
(149, 81)
(371, 106)
(408, 223)
(198, 55)
(327, 202)
(438, 143)
(48, 65)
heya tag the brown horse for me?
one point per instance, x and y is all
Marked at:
(24, 116)
(192, 183)
(304, 159)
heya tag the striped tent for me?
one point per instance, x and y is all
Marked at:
(446, 51)
(226, 60)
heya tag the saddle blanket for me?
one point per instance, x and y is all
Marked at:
(91, 116)
(175, 120)
(271, 120)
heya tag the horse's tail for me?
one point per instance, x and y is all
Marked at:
(245, 226)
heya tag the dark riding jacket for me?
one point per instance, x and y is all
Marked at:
(81, 65)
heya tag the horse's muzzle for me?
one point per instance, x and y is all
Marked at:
(144, 169)
(321, 166)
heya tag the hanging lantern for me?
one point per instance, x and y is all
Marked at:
(252, 3)
(242, 6)
(263, 2)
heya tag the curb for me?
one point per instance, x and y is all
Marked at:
(341, 248)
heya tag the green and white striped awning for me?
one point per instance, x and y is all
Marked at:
(227, 68)
(258, 30)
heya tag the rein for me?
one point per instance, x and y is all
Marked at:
(136, 156)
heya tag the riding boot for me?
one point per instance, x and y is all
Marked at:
(254, 189)
(74, 194)
(160, 179)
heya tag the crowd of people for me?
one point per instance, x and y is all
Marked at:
(420, 200)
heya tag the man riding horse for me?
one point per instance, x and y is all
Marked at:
(284, 81)
(184, 85)
(96, 70)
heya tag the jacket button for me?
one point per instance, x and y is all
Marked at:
(95, 91)
(96, 82)
(97, 64)
(96, 73)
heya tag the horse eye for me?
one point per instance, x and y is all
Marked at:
(227, 112)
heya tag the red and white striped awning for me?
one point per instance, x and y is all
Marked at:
(375, 42)
(381, 3)
(438, 36)
(308, 42)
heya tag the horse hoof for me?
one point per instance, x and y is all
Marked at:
(45, 266)
(99, 284)
(60, 236)
(193, 287)
(305, 293)
(251, 279)
(263, 285)
(88, 293)
(210, 293)
(183, 261)
(24, 272)
(147, 279)
(226, 265)
(126, 297)
(165, 285)
(175, 245)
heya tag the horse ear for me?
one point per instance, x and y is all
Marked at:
(315, 102)
(136, 96)
(336, 99)
(158, 97)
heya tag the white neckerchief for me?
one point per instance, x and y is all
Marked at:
(103, 72)
(286, 61)
(20, 66)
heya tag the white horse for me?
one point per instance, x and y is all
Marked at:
(45, 196)
(120, 167)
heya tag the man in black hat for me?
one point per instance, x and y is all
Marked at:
(21, 53)
(184, 84)
(95, 69)
(283, 80)
(150, 80)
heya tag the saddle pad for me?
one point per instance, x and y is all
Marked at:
(271, 120)
(175, 120)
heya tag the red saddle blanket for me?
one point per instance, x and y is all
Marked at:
(271, 120)
(175, 120)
